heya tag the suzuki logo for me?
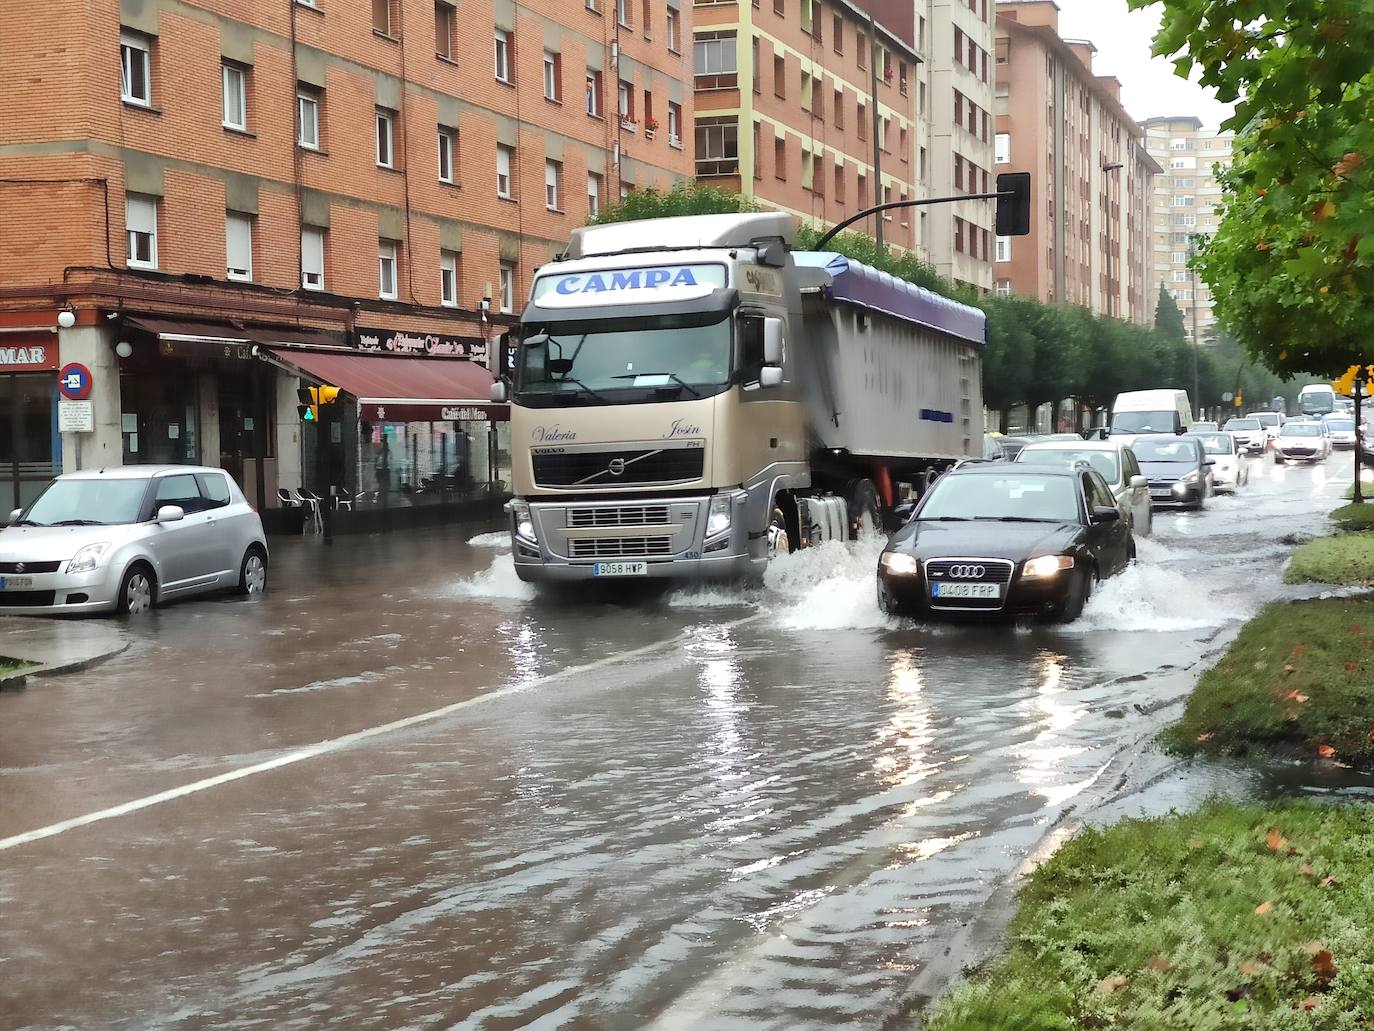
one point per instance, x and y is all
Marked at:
(19, 568)
(967, 572)
(617, 467)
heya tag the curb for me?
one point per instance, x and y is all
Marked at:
(18, 678)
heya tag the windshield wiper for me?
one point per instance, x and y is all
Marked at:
(945, 519)
(671, 375)
(586, 389)
(78, 522)
(26, 522)
(1018, 519)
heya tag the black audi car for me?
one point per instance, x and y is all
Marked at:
(995, 538)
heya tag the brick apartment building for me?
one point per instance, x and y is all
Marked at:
(786, 110)
(235, 198)
(1092, 177)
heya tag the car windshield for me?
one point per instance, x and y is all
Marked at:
(1105, 462)
(1267, 419)
(1347, 425)
(1242, 424)
(1218, 444)
(1038, 498)
(1144, 422)
(86, 501)
(1301, 429)
(1176, 450)
(1204, 427)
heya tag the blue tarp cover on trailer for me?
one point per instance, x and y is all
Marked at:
(865, 286)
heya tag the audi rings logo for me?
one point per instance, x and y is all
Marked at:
(617, 467)
(967, 572)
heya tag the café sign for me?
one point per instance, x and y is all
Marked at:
(405, 342)
(23, 354)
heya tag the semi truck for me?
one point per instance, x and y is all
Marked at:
(691, 397)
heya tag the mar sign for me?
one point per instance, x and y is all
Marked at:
(647, 285)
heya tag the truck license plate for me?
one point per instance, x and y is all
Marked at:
(620, 569)
(987, 591)
(15, 583)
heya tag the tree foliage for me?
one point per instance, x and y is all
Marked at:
(1169, 317)
(1292, 263)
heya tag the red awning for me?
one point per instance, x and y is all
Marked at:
(190, 331)
(403, 389)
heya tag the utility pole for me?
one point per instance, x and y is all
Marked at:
(878, 197)
(1360, 382)
(1192, 276)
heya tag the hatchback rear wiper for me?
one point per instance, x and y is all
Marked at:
(78, 522)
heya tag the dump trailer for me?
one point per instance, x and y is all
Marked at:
(692, 398)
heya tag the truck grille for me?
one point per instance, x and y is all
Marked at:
(620, 547)
(620, 515)
(642, 465)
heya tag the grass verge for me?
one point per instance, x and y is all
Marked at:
(8, 665)
(1299, 677)
(1354, 517)
(1346, 558)
(1252, 918)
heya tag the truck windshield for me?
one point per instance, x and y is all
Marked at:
(1144, 422)
(672, 354)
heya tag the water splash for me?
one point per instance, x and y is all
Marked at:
(498, 539)
(1147, 597)
(498, 581)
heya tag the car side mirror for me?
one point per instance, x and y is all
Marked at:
(14, 516)
(1103, 514)
(772, 341)
(498, 392)
(171, 514)
(903, 512)
(770, 376)
(1139, 482)
(1211, 461)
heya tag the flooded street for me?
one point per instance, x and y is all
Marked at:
(404, 790)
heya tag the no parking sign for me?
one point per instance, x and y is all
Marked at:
(74, 381)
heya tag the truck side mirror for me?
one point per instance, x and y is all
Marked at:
(770, 376)
(772, 341)
(498, 392)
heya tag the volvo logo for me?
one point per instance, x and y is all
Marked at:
(967, 572)
(617, 467)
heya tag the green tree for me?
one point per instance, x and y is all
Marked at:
(1292, 263)
(1169, 317)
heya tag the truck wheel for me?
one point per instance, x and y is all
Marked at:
(779, 541)
(932, 474)
(864, 509)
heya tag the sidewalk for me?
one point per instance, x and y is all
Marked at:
(59, 645)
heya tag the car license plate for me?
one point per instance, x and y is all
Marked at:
(1163, 493)
(620, 569)
(15, 583)
(985, 591)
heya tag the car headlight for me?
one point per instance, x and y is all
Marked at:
(718, 516)
(88, 557)
(1188, 477)
(1045, 566)
(898, 564)
(524, 523)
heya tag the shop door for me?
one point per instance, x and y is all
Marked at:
(29, 450)
(160, 418)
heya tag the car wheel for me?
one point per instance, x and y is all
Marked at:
(1071, 606)
(253, 571)
(888, 603)
(137, 590)
(1278, 460)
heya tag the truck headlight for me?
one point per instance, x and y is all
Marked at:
(524, 523)
(1045, 566)
(899, 564)
(718, 516)
(88, 557)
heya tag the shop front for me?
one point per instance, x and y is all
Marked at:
(30, 447)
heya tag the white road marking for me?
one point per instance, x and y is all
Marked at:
(336, 744)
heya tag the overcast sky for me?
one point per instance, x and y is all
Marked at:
(1123, 38)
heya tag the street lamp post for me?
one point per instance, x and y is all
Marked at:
(1111, 166)
(1359, 391)
(1192, 285)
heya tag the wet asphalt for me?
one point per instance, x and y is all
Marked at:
(403, 790)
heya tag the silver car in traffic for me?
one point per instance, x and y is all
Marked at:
(127, 539)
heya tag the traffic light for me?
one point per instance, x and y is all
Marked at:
(309, 398)
(326, 395)
(1014, 208)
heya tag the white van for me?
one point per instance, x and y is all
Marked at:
(1151, 411)
(1316, 399)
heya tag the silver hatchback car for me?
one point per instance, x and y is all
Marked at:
(130, 538)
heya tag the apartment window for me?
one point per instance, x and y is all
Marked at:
(674, 124)
(386, 138)
(625, 102)
(445, 22)
(502, 56)
(448, 149)
(386, 270)
(839, 184)
(448, 279)
(553, 178)
(838, 106)
(308, 118)
(817, 98)
(594, 94)
(553, 76)
(674, 31)
(593, 195)
(861, 120)
(901, 144)
(135, 69)
(1179, 257)
(622, 12)
(861, 48)
(506, 282)
(235, 88)
(1180, 275)
(806, 95)
(837, 34)
(808, 174)
(504, 156)
(312, 258)
(959, 235)
(780, 158)
(779, 76)
(1182, 201)
(1003, 248)
(649, 120)
(713, 61)
(1178, 144)
(646, 18)
(140, 219)
(717, 146)
(861, 190)
(958, 108)
(758, 149)
(1002, 147)
(1002, 288)
(381, 16)
(922, 104)
(238, 235)
(780, 8)
(958, 172)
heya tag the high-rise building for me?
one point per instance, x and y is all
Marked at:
(1183, 205)
(232, 198)
(1090, 175)
(810, 107)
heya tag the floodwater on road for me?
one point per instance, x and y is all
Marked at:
(406, 790)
